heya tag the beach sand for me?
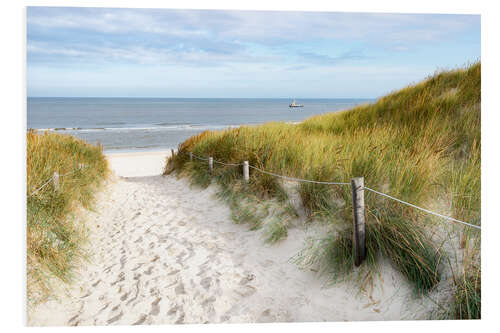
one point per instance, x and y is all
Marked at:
(165, 252)
(138, 164)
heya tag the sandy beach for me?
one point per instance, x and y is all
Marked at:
(163, 252)
(138, 164)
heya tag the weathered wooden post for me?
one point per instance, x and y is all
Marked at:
(211, 164)
(246, 172)
(190, 156)
(55, 181)
(172, 152)
(358, 207)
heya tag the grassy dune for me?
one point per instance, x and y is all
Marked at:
(420, 144)
(54, 235)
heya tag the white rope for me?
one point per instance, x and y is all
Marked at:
(38, 189)
(341, 183)
(298, 179)
(200, 158)
(51, 178)
(272, 174)
(215, 161)
(228, 164)
(423, 209)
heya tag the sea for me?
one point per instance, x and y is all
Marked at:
(148, 124)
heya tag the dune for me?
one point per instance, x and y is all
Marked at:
(163, 252)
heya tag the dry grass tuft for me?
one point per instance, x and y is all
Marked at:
(420, 144)
(54, 237)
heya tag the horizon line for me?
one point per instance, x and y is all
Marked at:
(201, 97)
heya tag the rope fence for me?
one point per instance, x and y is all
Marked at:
(423, 209)
(297, 179)
(55, 179)
(41, 187)
(358, 200)
(358, 188)
(228, 164)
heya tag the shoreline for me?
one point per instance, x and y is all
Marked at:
(113, 152)
(161, 149)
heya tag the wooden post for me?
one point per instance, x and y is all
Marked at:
(358, 207)
(211, 164)
(191, 156)
(55, 181)
(172, 153)
(246, 171)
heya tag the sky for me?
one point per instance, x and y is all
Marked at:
(112, 52)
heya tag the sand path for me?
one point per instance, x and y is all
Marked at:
(167, 253)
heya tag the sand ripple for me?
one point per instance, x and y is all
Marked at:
(167, 253)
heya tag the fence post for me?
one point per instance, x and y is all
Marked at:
(55, 181)
(191, 156)
(211, 164)
(358, 207)
(172, 153)
(246, 172)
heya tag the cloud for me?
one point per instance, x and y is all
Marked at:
(42, 52)
(253, 25)
(328, 60)
(264, 27)
(234, 44)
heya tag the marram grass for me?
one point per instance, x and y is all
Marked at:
(420, 144)
(54, 236)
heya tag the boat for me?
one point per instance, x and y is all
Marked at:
(295, 105)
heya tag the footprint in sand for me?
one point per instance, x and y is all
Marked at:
(121, 277)
(155, 308)
(137, 278)
(141, 320)
(205, 283)
(179, 290)
(96, 283)
(115, 318)
(124, 297)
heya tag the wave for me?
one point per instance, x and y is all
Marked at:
(57, 129)
(158, 127)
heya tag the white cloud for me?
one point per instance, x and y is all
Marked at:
(106, 55)
(256, 26)
(335, 54)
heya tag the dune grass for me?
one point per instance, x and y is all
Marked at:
(54, 235)
(420, 144)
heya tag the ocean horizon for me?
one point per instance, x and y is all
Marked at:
(146, 124)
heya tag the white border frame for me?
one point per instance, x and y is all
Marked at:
(13, 109)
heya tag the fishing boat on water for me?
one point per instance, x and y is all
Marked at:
(295, 105)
